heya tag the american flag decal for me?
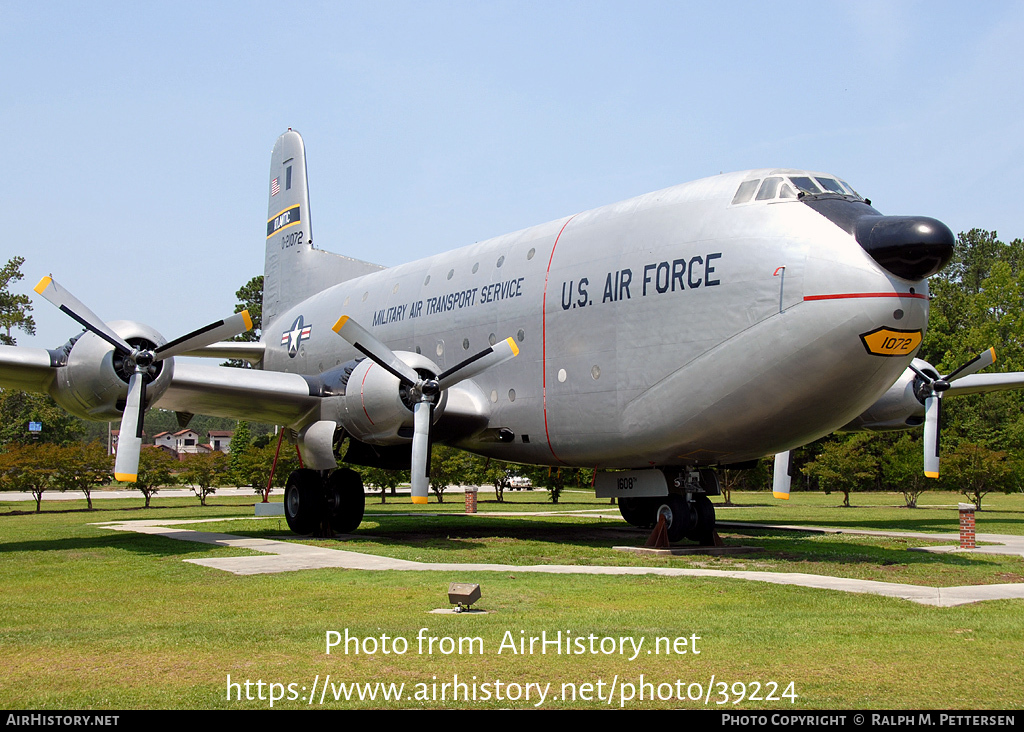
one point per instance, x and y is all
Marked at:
(275, 187)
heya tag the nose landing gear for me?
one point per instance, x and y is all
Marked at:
(687, 510)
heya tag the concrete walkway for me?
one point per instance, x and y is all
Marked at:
(1000, 543)
(282, 556)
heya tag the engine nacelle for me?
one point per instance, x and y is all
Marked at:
(93, 383)
(899, 408)
(376, 408)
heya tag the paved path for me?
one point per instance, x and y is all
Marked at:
(282, 556)
(1000, 543)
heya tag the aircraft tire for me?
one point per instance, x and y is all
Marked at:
(345, 500)
(639, 512)
(301, 501)
(704, 531)
(679, 515)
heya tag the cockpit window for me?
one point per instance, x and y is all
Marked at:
(831, 185)
(850, 188)
(769, 188)
(745, 191)
(789, 187)
(805, 184)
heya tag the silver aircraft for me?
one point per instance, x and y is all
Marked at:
(704, 325)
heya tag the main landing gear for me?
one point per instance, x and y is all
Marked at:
(322, 503)
(687, 509)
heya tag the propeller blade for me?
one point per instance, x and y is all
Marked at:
(423, 415)
(383, 356)
(976, 364)
(74, 307)
(129, 440)
(205, 336)
(932, 413)
(490, 356)
(782, 477)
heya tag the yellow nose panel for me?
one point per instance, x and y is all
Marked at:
(891, 342)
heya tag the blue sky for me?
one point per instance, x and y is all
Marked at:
(139, 134)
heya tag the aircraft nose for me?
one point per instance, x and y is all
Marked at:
(911, 247)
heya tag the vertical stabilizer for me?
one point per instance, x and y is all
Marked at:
(294, 268)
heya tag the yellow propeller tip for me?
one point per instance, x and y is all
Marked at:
(126, 477)
(783, 496)
(43, 284)
(340, 324)
(421, 500)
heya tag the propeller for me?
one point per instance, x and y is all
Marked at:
(782, 476)
(139, 363)
(931, 391)
(423, 390)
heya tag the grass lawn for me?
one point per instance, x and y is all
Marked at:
(95, 618)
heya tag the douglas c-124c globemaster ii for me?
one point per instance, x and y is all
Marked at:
(707, 324)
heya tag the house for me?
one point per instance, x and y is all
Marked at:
(221, 440)
(182, 442)
(112, 442)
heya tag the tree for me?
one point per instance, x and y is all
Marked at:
(204, 472)
(82, 468)
(975, 305)
(448, 466)
(555, 480)
(28, 468)
(18, 408)
(250, 297)
(14, 309)
(241, 444)
(383, 480)
(976, 471)
(484, 471)
(844, 465)
(155, 467)
(728, 481)
(252, 467)
(901, 468)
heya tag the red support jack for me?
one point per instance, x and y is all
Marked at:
(273, 468)
(659, 537)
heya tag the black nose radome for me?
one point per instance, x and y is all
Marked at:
(911, 247)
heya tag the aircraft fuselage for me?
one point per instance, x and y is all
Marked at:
(672, 328)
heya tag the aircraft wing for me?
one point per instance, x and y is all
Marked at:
(239, 350)
(245, 394)
(27, 369)
(978, 383)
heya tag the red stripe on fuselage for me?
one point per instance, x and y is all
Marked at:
(847, 295)
(544, 340)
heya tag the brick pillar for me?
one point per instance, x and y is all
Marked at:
(967, 526)
(471, 499)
